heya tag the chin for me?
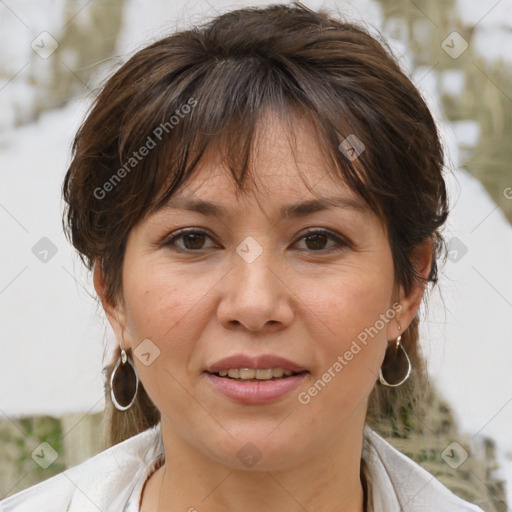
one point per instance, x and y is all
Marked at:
(260, 452)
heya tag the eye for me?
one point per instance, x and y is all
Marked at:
(317, 238)
(192, 239)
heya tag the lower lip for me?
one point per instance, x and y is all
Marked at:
(256, 392)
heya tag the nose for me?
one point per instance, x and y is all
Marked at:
(255, 295)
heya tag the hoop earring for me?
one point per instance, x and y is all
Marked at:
(125, 381)
(397, 346)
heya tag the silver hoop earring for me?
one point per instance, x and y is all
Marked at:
(396, 348)
(124, 383)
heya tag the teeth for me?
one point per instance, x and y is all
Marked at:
(251, 373)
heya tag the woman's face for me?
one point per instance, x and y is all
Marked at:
(253, 282)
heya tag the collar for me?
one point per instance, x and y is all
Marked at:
(112, 481)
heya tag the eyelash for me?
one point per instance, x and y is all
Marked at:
(340, 242)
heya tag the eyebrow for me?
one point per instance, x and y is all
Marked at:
(295, 210)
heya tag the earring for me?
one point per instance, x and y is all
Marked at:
(124, 383)
(392, 354)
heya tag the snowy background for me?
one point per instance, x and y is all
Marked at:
(53, 336)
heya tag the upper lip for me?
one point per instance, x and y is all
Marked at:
(261, 361)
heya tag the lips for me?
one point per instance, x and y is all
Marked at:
(256, 362)
(255, 392)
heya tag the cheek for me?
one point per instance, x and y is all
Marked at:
(349, 326)
(348, 301)
(165, 306)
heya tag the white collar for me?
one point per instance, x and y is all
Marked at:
(401, 485)
(112, 481)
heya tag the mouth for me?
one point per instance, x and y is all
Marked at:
(253, 374)
(255, 386)
(254, 367)
(255, 378)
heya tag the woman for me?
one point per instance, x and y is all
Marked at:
(260, 201)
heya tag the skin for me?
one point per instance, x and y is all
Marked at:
(297, 299)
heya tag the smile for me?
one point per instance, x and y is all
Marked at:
(254, 390)
(253, 373)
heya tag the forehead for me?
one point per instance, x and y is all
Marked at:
(288, 161)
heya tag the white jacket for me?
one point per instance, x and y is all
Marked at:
(112, 481)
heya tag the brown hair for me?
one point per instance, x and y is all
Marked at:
(208, 86)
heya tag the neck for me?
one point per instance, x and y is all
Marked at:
(192, 481)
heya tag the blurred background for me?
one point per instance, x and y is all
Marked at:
(54, 55)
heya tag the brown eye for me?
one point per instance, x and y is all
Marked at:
(316, 241)
(192, 240)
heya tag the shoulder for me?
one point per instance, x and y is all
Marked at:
(103, 482)
(412, 488)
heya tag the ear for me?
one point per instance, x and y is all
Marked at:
(421, 258)
(115, 313)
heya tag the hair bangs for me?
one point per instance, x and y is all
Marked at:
(231, 98)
